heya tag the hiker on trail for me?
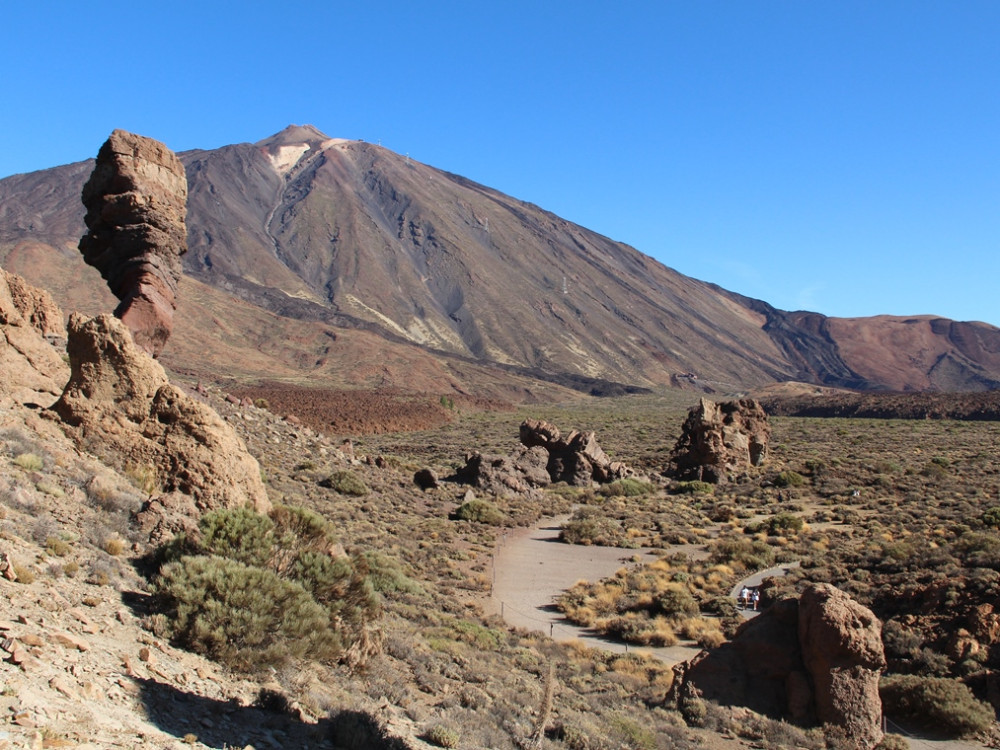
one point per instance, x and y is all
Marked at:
(756, 599)
(744, 598)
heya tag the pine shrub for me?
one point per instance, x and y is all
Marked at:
(481, 511)
(936, 703)
(256, 591)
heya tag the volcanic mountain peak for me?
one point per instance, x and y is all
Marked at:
(287, 148)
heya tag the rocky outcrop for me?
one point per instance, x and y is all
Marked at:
(31, 369)
(576, 459)
(841, 644)
(119, 404)
(502, 475)
(719, 440)
(811, 659)
(136, 201)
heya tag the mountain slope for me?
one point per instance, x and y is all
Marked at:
(349, 235)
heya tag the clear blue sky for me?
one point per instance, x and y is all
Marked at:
(835, 156)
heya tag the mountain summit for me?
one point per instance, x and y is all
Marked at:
(335, 236)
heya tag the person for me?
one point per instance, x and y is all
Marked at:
(756, 599)
(744, 598)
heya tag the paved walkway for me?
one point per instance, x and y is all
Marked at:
(755, 580)
(532, 568)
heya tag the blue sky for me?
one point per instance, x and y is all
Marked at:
(836, 156)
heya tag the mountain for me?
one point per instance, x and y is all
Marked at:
(335, 261)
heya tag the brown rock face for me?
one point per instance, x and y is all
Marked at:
(719, 440)
(136, 202)
(817, 658)
(31, 370)
(119, 402)
(841, 644)
(576, 459)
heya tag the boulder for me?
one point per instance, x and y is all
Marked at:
(119, 403)
(813, 658)
(841, 643)
(136, 201)
(577, 459)
(719, 440)
(31, 368)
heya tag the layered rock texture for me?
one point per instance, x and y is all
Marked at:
(576, 459)
(720, 440)
(813, 659)
(316, 249)
(31, 370)
(136, 201)
(119, 403)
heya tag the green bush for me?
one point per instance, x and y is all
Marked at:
(243, 616)
(242, 572)
(991, 517)
(588, 526)
(746, 553)
(442, 736)
(29, 461)
(346, 483)
(694, 488)
(789, 479)
(936, 703)
(677, 601)
(628, 487)
(480, 511)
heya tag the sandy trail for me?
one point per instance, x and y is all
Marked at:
(532, 567)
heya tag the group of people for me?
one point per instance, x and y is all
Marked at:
(749, 598)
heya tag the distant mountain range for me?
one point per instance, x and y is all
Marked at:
(339, 263)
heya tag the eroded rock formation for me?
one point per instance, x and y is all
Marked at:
(813, 659)
(136, 201)
(31, 369)
(119, 403)
(576, 459)
(719, 440)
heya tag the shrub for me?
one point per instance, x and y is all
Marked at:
(480, 511)
(694, 488)
(628, 487)
(442, 736)
(243, 616)
(676, 601)
(789, 478)
(29, 461)
(250, 571)
(991, 517)
(346, 483)
(588, 526)
(783, 523)
(935, 702)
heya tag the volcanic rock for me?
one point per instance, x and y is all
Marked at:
(136, 201)
(31, 369)
(816, 658)
(577, 459)
(719, 440)
(841, 644)
(119, 402)
(502, 475)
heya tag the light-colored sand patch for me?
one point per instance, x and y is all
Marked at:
(287, 157)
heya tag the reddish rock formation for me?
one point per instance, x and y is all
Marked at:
(577, 459)
(31, 370)
(719, 440)
(119, 403)
(136, 200)
(816, 658)
(841, 644)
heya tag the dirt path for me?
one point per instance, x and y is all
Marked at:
(532, 567)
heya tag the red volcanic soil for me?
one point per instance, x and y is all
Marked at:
(363, 412)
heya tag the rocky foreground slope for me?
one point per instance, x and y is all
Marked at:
(307, 250)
